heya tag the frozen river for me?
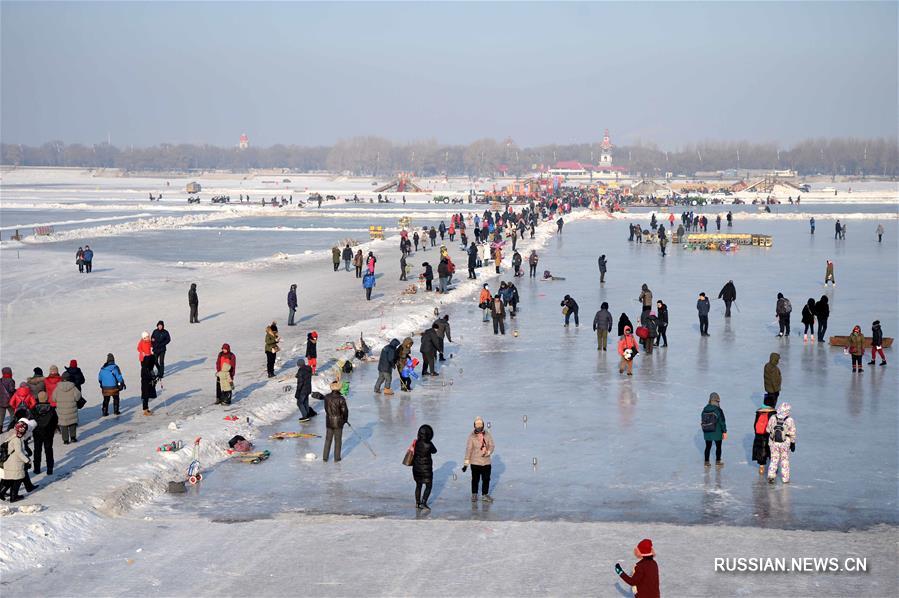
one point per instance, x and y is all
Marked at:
(609, 448)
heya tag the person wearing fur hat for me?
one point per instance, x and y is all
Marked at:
(16, 463)
(760, 450)
(645, 578)
(51, 381)
(36, 382)
(781, 442)
(144, 346)
(111, 384)
(627, 349)
(44, 413)
(7, 390)
(857, 348)
(337, 414)
(224, 356)
(159, 341)
(478, 450)
(312, 350)
(714, 428)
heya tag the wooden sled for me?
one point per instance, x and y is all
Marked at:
(843, 341)
(285, 435)
(253, 457)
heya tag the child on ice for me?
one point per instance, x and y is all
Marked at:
(225, 383)
(407, 374)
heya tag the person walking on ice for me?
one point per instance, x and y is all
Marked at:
(423, 466)
(781, 442)
(728, 294)
(828, 274)
(478, 451)
(714, 428)
(338, 414)
(877, 344)
(602, 325)
(627, 349)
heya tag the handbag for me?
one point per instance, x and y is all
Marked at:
(410, 455)
(80, 403)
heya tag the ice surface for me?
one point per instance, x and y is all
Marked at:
(611, 448)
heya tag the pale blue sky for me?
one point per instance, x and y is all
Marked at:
(308, 73)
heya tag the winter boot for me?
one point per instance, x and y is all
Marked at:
(474, 498)
(762, 470)
(707, 464)
(148, 412)
(388, 392)
(804, 338)
(872, 362)
(487, 498)
(883, 362)
(719, 464)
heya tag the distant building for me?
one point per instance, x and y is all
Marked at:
(244, 141)
(605, 156)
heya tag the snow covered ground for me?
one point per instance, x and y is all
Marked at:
(617, 459)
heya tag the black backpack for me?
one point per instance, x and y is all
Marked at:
(709, 421)
(4, 452)
(777, 432)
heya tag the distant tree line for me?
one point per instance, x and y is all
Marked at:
(378, 157)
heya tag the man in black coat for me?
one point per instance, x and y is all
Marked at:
(338, 414)
(159, 340)
(194, 302)
(572, 310)
(386, 363)
(304, 389)
(729, 294)
(472, 260)
(429, 348)
(443, 333)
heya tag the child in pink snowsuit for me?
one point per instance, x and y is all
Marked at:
(782, 441)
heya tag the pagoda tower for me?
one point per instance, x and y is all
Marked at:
(605, 156)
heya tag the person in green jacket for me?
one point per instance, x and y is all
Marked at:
(714, 428)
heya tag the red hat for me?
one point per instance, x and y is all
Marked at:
(644, 548)
(73, 363)
(313, 334)
(226, 347)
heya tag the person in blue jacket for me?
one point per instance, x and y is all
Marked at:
(111, 384)
(368, 283)
(88, 257)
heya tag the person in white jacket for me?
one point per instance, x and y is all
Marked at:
(782, 441)
(16, 462)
